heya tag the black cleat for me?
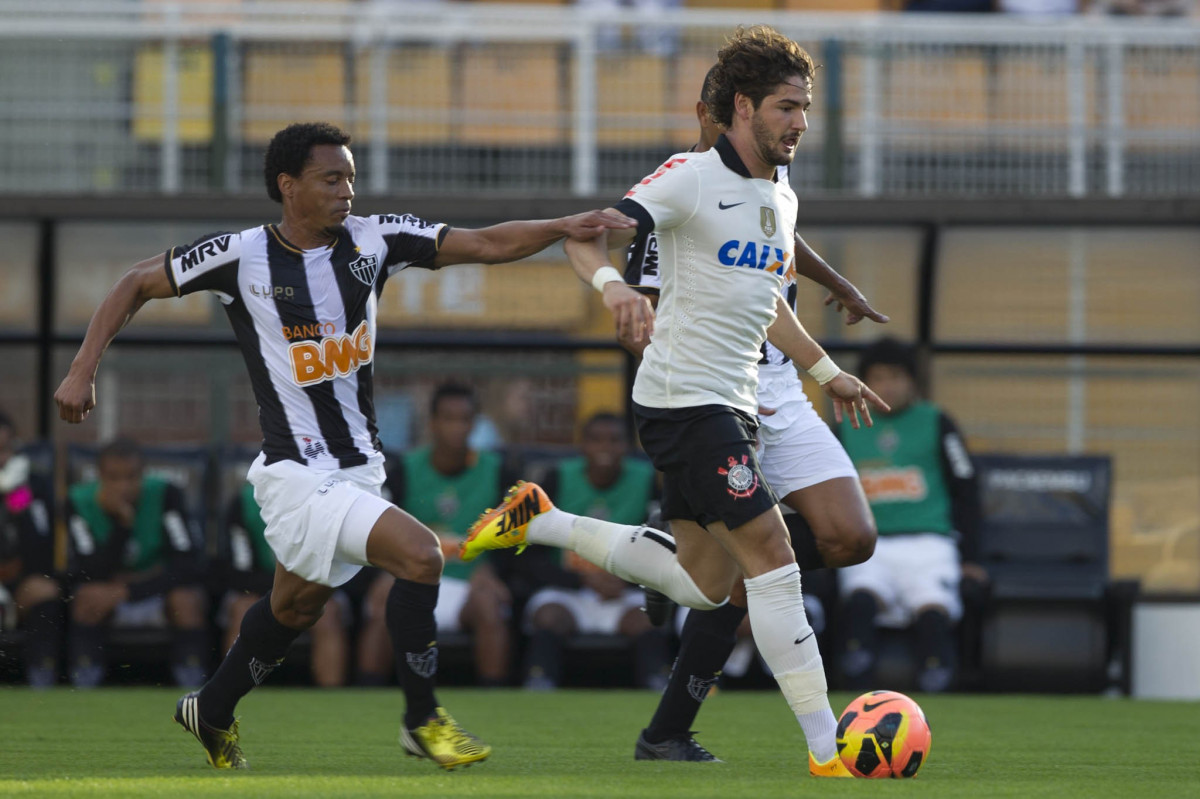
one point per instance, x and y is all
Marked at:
(658, 606)
(681, 748)
(221, 746)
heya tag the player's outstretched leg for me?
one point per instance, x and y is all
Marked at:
(221, 746)
(637, 554)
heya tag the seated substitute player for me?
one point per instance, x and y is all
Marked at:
(725, 228)
(801, 460)
(244, 572)
(446, 485)
(27, 559)
(134, 560)
(301, 297)
(921, 484)
(604, 483)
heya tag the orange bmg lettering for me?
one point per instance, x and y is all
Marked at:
(329, 357)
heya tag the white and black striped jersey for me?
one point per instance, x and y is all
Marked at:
(305, 320)
(642, 273)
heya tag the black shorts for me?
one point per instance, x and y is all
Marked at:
(707, 457)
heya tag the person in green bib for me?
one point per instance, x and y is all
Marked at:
(446, 485)
(919, 479)
(133, 560)
(246, 569)
(603, 482)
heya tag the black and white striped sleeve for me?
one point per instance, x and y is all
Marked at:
(210, 263)
(410, 240)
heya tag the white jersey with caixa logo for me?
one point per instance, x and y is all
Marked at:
(305, 320)
(725, 249)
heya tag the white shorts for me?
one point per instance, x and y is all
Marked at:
(318, 520)
(796, 449)
(907, 573)
(591, 613)
(452, 595)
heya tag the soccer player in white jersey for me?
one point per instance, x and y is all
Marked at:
(302, 299)
(801, 460)
(726, 228)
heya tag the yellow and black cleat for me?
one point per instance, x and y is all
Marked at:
(833, 768)
(505, 527)
(444, 742)
(221, 746)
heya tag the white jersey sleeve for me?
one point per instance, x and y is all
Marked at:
(669, 196)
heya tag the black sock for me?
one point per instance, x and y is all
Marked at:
(862, 641)
(544, 659)
(43, 637)
(260, 646)
(935, 651)
(414, 636)
(190, 656)
(651, 658)
(708, 638)
(804, 543)
(85, 653)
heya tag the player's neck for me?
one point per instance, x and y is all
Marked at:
(743, 144)
(449, 462)
(305, 237)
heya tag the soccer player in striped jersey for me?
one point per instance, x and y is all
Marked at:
(726, 231)
(302, 298)
(801, 459)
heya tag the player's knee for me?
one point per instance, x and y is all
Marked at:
(860, 543)
(553, 618)
(418, 562)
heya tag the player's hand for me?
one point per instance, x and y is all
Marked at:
(75, 397)
(855, 304)
(853, 398)
(590, 224)
(632, 312)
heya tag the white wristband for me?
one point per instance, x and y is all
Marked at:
(824, 370)
(605, 275)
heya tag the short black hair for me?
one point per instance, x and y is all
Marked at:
(603, 417)
(709, 87)
(451, 390)
(889, 351)
(121, 448)
(291, 148)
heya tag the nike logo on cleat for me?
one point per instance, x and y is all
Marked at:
(869, 706)
(725, 207)
(805, 638)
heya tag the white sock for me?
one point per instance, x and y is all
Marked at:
(640, 555)
(789, 646)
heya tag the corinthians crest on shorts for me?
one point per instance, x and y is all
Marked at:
(365, 268)
(742, 480)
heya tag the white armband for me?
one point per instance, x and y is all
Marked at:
(605, 275)
(824, 370)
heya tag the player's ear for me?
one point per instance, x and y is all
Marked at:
(286, 183)
(743, 106)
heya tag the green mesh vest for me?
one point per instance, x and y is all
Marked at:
(252, 520)
(900, 463)
(145, 546)
(624, 502)
(449, 505)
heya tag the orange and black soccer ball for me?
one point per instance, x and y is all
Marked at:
(883, 734)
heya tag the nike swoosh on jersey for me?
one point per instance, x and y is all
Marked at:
(725, 207)
(869, 706)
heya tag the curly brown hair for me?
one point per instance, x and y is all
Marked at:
(753, 62)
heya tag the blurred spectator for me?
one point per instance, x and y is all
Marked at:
(134, 562)
(604, 483)
(1039, 8)
(657, 40)
(446, 485)
(949, 6)
(920, 482)
(1144, 8)
(27, 582)
(246, 572)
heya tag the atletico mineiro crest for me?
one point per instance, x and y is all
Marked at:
(742, 480)
(365, 268)
(766, 220)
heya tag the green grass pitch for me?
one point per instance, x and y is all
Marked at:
(122, 743)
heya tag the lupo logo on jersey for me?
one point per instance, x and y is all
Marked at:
(754, 255)
(331, 356)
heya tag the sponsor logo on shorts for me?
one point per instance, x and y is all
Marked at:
(742, 480)
(315, 449)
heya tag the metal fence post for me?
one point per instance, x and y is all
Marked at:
(1076, 117)
(218, 166)
(1114, 111)
(869, 155)
(834, 141)
(378, 116)
(583, 128)
(169, 178)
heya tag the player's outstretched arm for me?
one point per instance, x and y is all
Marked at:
(512, 241)
(841, 290)
(631, 310)
(76, 395)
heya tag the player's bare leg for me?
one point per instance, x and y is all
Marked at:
(840, 518)
(410, 552)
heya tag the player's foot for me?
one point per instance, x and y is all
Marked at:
(658, 606)
(505, 526)
(444, 742)
(833, 768)
(679, 747)
(221, 746)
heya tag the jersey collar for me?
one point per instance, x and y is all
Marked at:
(734, 161)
